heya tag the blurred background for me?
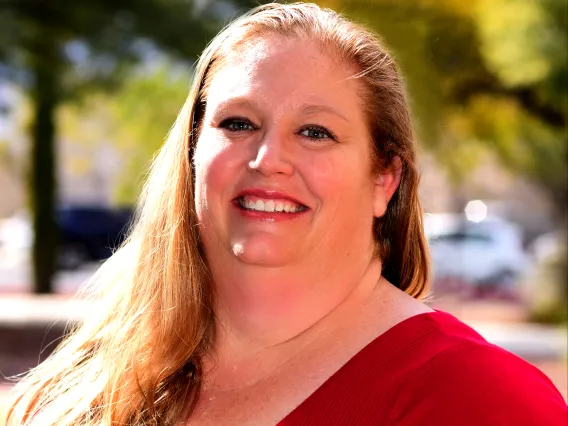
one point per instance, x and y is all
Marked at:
(88, 91)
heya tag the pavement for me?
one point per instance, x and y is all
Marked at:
(527, 340)
(500, 322)
(544, 346)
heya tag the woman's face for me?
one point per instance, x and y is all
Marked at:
(283, 171)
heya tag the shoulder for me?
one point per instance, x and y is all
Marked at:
(470, 381)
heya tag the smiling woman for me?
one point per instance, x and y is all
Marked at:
(275, 273)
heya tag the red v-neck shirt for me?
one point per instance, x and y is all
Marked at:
(432, 369)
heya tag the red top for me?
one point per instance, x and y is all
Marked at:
(432, 369)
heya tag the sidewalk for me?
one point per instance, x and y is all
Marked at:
(20, 310)
(33, 319)
(530, 341)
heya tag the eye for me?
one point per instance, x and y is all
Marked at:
(237, 125)
(317, 132)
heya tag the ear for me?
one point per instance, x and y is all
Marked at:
(386, 184)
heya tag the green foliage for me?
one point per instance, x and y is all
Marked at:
(60, 50)
(514, 37)
(143, 127)
(483, 76)
(550, 290)
(135, 118)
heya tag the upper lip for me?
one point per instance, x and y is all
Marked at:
(268, 194)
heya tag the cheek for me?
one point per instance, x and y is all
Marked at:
(214, 170)
(339, 177)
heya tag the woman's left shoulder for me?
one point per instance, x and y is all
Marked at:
(476, 382)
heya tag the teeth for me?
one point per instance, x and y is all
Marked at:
(268, 206)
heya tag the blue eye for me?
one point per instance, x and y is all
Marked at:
(316, 132)
(237, 125)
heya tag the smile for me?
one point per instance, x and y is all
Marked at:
(266, 205)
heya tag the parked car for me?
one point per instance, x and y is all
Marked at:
(485, 253)
(89, 233)
(86, 234)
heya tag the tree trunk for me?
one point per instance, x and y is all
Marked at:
(43, 165)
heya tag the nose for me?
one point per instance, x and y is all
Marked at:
(272, 157)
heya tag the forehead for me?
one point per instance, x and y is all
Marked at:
(285, 70)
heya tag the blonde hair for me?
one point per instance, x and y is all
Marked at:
(137, 359)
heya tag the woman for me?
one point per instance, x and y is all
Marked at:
(275, 273)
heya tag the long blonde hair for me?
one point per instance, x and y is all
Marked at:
(136, 360)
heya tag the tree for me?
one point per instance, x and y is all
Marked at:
(60, 50)
(134, 119)
(483, 75)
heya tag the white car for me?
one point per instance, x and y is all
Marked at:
(488, 252)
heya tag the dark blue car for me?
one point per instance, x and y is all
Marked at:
(90, 233)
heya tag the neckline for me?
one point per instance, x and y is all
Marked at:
(405, 326)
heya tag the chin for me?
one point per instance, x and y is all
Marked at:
(259, 252)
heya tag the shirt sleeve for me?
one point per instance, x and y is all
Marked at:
(475, 384)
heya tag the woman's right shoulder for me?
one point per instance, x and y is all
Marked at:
(468, 380)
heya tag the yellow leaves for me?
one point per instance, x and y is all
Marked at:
(485, 125)
(512, 33)
(521, 142)
(495, 118)
(336, 5)
(459, 8)
(484, 76)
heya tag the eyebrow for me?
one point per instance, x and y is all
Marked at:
(314, 109)
(306, 109)
(236, 102)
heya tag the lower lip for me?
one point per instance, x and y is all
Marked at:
(268, 216)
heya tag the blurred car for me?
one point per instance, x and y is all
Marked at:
(89, 233)
(86, 234)
(485, 253)
(547, 247)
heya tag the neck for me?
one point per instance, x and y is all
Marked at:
(260, 308)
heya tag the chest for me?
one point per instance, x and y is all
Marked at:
(270, 399)
(277, 389)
